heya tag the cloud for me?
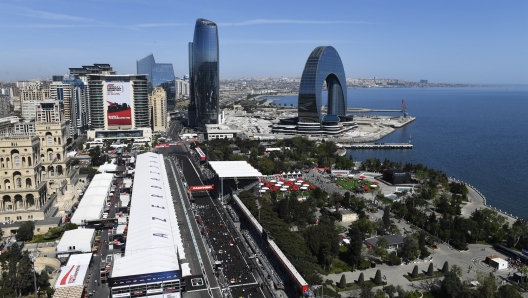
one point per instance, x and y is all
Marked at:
(159, 25)
(40, 14)
(45, 26)
(257, 41)
(286, 21)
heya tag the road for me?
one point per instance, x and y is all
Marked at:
(219, 238)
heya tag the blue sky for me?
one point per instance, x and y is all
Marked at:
(482, 42)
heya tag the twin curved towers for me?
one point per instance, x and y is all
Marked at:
(323, 65)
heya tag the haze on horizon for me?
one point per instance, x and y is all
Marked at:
(471, 42)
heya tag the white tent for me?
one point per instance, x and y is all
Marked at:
(153, 241)
(94, 199)
(76, 240)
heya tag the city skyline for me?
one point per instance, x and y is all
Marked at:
(449, 42)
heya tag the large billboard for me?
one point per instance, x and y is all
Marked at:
(155, 277)
(117, 96)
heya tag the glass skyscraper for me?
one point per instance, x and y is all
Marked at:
(323, 65)
(158, 74)
(204, 74)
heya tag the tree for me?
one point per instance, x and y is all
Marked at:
(386, 217)
(507, 291)
(456, 270)
(394, 259)
(24, 277)
(523, 269)
(381, 249)
(366, 291)
(80, 146)
(451, 286)
(342, 282)
(415, 272)
(70, 226)
(410, 249)
(390, 290)
(354, 248)
(53, 233)
(25, 231)
(430, 270)
(361, 278)
(43, 279)
(377, 277)
(487, 286)
(445, 268)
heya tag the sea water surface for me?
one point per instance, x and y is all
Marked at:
(477, 135)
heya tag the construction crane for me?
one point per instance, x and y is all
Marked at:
(404, 108)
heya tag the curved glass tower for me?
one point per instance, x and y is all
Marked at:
(323, 65)
(204, 70)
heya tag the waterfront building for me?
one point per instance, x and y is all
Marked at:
(204, 61)
(118, 106)
(323, 67)
(158, 109)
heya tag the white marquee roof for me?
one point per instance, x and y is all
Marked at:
(231, 169)
(79, 238)
(94, 198)
(153, 241)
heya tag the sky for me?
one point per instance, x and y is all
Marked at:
(472, 42)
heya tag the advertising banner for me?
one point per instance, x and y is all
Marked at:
(117, 97)
(72, 275)
(202, 187)
(155, 277)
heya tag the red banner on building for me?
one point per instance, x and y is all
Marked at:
(202, 187)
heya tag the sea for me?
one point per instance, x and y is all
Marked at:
(476, 134)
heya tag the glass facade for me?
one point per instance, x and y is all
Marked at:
(145, 66)
(323, 65)
(163, 76)
(205, 72)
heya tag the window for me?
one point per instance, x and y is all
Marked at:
(16, 161)
(8, 218)
(50, 140)
(30, 216)
(50, 156)
(19, 182)
(19, 217)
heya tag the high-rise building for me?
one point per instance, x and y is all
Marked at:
(65, 92)
(145, 66)
(158, 75)
(182, 88)
(81, 103)
(5, 105)
(204, 74)
(48, 111)
(98, 68)
(158, 109)
(118, 101)
(32, 93)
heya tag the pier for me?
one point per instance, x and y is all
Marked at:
(376, 146)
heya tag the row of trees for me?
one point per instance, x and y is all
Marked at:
(17, 275)
(310, 250)
(303, 153)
